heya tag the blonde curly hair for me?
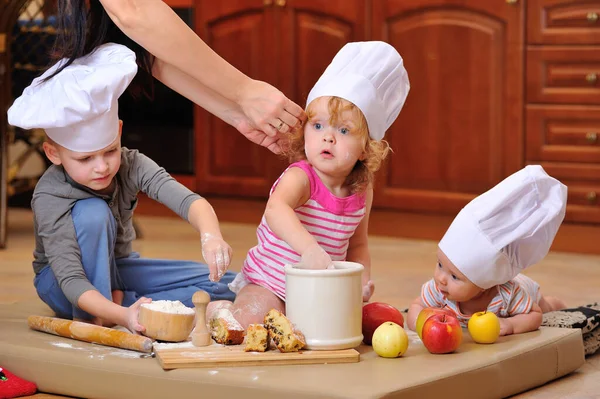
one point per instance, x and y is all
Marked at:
(363, 173)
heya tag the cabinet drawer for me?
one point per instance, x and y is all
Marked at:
(563, 22)
(563, 75)
(583, 182)
(562, 133)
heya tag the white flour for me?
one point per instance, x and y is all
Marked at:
(98, 352)
(175, 307)
(61, 344)
(176, 345)
(226, 315)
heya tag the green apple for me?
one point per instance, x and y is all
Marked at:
(390, 340)
(484, 327)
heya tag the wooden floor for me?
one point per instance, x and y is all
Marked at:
(400, 266)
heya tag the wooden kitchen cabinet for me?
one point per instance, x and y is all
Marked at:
(495, 85)
(286, 43)
(460, 131)
(563, 99)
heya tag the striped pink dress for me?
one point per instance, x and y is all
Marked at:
(330, 219)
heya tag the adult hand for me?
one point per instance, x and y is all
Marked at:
(267, 109)
(245, 127)
(217, 254)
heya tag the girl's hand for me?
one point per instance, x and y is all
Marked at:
(315, 257)
(368, 290)
(268, 109)
(217, 254)
(133, 311)
(506, 327)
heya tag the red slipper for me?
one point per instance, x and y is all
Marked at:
(12, 386)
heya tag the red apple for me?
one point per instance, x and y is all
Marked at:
(426, 313)
(376, 313)
(442, 333)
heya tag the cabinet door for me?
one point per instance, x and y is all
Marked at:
(460, 131)
(312, 32)
(286, 43)
(242, 32)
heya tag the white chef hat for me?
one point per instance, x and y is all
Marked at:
(506, 229)
(370, 75)
(78, 107)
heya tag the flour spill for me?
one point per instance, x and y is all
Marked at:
(99, 352)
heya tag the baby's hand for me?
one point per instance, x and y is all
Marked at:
(217, 253)
(506, 327)
(368, 290)
(132, 316)
(315, 257)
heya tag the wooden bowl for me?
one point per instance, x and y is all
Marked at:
(162, 326)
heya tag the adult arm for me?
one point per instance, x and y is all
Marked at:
(156, 27)
(227, 110)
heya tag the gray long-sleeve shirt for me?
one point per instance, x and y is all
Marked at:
(56, 194)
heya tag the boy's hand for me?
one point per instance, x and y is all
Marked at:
(315, 257)
(217, 254)
(132, 316)
(368, 290)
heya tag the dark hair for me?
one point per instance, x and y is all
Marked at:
(82, 28)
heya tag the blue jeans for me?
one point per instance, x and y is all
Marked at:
(159, 279)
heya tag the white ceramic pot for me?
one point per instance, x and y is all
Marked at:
(326, 305)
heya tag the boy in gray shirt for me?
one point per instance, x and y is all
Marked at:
(83, 204)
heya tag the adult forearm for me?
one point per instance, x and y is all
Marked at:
(156, 27)
(198, 93)
(97, 305)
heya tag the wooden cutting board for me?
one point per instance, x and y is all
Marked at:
(234, 356)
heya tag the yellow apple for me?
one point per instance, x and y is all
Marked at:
(390, 340)
(484, 327)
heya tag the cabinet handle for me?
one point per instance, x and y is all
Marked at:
(591, 77)
(512, 2)
(591, 197)
(280, 3)
(592, 17)
(591, 137)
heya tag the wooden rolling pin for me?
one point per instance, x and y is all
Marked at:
(90, 333)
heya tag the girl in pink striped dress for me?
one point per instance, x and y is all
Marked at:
(318, 209)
